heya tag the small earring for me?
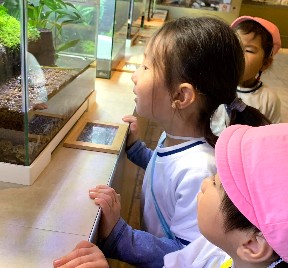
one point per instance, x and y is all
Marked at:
(173, 105)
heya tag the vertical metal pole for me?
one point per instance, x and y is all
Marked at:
(154, 8)
(130, 19)
(149, 7)
(143, 13)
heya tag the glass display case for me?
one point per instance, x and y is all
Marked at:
(112, 34)
(47, 51)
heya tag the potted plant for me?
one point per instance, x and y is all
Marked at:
(49, 17)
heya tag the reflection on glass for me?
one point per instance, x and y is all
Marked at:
(98, 134)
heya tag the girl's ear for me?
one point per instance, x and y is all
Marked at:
(266, 64)
(184, 96)
(255, 249)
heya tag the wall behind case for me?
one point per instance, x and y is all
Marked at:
(226, 10)
(274, 13)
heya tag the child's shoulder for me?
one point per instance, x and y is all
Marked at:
(265, 94)
(270, 91)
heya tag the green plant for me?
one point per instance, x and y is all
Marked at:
(48, 14)
(45, 14)
(10, 30)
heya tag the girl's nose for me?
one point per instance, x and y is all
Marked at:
(133, 77)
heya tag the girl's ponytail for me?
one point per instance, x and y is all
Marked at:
(238, 113)
(243, 114)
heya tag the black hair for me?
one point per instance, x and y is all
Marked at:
(234, 219)
(206, 53)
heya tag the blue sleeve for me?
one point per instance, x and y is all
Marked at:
(139, 154)
(137, 247)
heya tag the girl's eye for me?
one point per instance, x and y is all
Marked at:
(249, 51)
(144, 67)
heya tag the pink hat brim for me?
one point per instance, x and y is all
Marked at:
(269, 26)
(252, 165)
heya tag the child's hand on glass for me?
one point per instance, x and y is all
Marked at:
(133, 130)
(109, 201)
(84, 255)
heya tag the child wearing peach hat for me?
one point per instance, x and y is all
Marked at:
(261, 41)
(243, 209)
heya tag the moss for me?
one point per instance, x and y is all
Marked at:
(10, 30)
(33, 33)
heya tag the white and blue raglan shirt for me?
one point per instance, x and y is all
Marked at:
(198, 254)
(178, 173)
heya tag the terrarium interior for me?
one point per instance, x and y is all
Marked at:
(46, 51)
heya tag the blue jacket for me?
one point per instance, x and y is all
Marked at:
(136, 247)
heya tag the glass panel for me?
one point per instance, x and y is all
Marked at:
(39, 94)
(113, 25)
(136, 17)
(13, 106)
(79, 39)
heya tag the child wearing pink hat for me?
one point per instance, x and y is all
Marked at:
(261, 42)
(243, 209)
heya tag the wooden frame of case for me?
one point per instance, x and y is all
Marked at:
(72, 142)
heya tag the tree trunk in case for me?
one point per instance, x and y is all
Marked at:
(43, 48)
